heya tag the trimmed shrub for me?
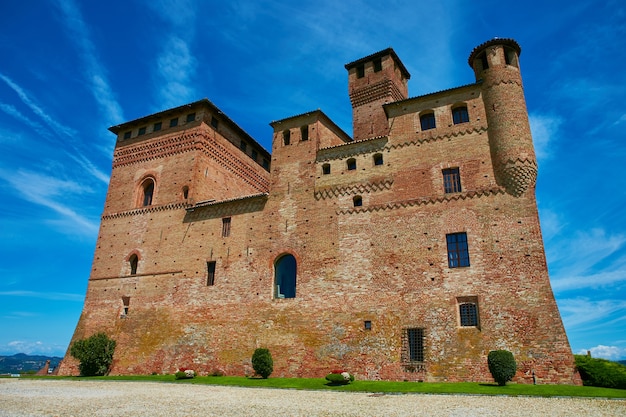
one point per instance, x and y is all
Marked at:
(601, 372)
(502, 366)
(94, 353)
(262, 362)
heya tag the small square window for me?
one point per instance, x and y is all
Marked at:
(174, 122)
(191, 117)
(142, 131)
(243, 146)
(156, 127)
(254, 154)
(427, 121)
(367, 325)
(127, 135)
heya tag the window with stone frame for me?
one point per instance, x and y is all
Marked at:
(147, 192)
(285, 273)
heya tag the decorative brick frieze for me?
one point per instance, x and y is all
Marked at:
(353, 189)
(375, 91)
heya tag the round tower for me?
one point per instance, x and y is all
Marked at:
(496, 65)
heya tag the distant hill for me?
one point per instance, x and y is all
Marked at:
(20, 363)
(622, 362)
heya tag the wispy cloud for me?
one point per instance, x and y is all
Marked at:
(32, 348)
(54, 296)
(94, 72)
(587, 313)
(545, 130)
(35, 108)
(176, 68)
(53, 193)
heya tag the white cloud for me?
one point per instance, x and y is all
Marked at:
(605, 352)
(176, 68)
(545, 130)
(94, 71)
(32, 348)
(53, 193)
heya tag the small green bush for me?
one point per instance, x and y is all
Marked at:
(501, 365)
(94, 353)
(262, 362)
(601, 372)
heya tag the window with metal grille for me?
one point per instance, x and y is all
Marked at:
(460, 115)
(458, 254)
(413, 345)
(226, 227)
(427, 121)
(210, 266)
(451, 180)
(468, 313)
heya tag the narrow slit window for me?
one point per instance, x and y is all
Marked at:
(285, 271)
(286, 137)
(304, 133)
(210, 266)
(147, 189)
(133, 262)
(226, 227)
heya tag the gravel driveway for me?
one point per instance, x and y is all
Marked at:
(36, 397)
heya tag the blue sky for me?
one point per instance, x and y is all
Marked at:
(71, 69)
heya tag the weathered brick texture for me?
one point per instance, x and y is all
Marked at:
(383, 262)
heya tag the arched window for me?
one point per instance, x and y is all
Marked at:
(133, 262)
(427, 121)
(351, 164)
(147, 192)
(357, 201)
(378, 159)
(285, 277)
(468, 314)
(460, 115)
(326, 169)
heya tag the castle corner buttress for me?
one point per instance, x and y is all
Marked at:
(405, 252)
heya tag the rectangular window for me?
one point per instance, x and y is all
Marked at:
(413, 349)
(266, 164)
(157, 127)
(304, 130)
(226, 227)
(191, 117)
(210, 266)
(286, 137)
(427, 121)
(360, 71)
(451, 180)
(214, 122)
(142, 131)
(458, 254)
(243, 146)
(174, 122)
(378, 65)
(127, 135)
(468, 311)
(254, 154)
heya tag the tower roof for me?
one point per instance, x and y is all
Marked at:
(388, 51)
(495, 41)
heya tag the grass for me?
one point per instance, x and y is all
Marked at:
(470, 388)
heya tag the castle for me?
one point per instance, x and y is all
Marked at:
(405, 252)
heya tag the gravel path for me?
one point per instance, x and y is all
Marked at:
(28, 397)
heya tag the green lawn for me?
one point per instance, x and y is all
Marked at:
(474, 388)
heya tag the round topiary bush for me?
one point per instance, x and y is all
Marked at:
(262, 362)
(502, 366)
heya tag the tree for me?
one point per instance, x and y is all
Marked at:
(501, 365)
(262, 362)
(94, 353)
